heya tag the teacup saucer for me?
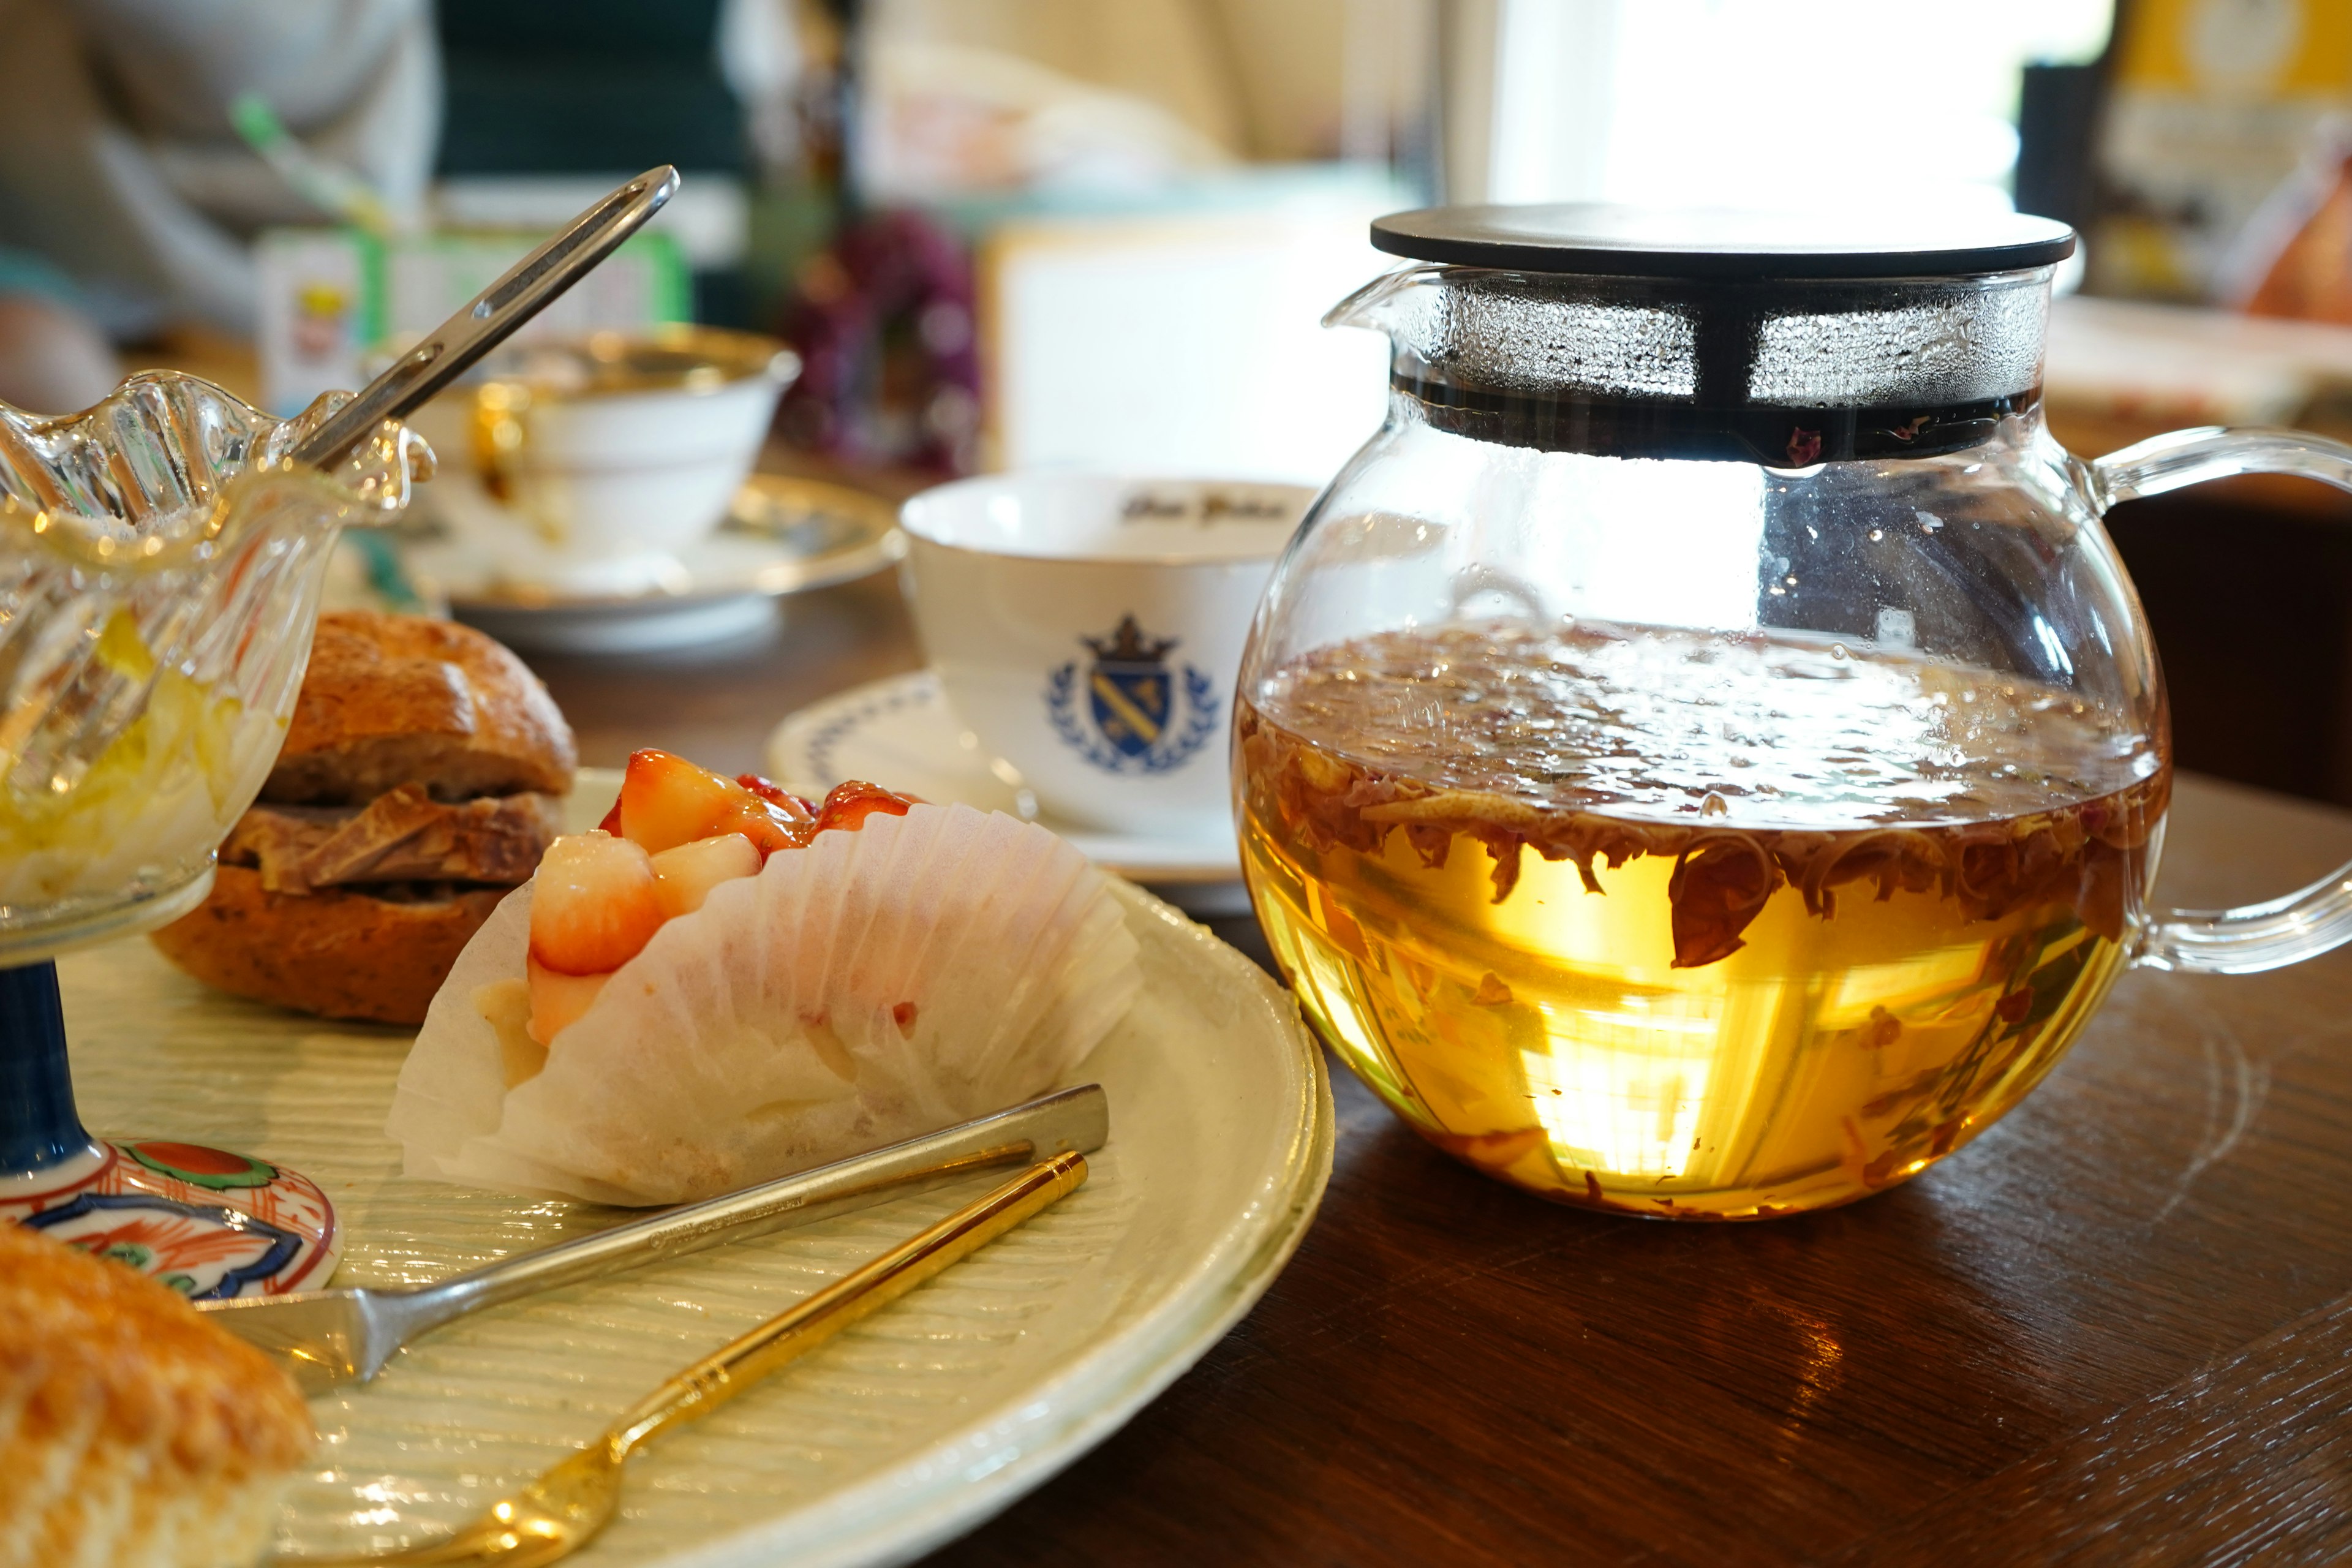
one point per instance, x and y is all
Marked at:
(783, 535)
(899, 731)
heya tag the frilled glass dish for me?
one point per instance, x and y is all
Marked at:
(161, 560)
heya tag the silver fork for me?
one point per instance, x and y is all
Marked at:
(331, 1338)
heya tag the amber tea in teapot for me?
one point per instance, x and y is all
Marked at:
(1703, 757)
(1904, 884)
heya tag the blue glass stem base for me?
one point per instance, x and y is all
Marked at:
(38, 1126)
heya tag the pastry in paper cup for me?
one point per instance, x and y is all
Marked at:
(868, 986)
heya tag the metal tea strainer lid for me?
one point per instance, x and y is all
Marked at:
(1781, 338)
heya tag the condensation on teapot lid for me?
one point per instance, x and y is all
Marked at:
(1614, 239)
(1776, 338)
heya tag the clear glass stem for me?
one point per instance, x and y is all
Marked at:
(2254, 937)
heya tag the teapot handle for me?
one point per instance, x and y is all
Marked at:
(2252, 937)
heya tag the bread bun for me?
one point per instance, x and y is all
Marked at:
(133, 1432)
(394, 699)
(340, 952)
(419, 750)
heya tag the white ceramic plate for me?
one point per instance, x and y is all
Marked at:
(908, 1429)
(783, 535)
(899, 731)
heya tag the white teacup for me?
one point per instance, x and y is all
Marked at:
(587, 465)
(1089, 626)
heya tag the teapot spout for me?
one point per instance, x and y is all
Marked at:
(1381, 304)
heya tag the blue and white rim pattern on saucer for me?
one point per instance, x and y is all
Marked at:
(900, 733)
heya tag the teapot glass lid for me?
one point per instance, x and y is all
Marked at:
(1612, 239)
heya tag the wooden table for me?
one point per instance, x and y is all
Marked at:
(2117, 1328)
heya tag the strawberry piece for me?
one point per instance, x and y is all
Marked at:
(685, 875)
(777, 794)
(593, 904)
(666, 801)
(770, 827)
(850, 804)
(783, 821)
(558, 1000)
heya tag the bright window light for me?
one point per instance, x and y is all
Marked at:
(1769, 102)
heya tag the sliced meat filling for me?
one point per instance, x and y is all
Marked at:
(401, 836)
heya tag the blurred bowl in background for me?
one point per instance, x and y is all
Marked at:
(781, 535)
(585, 466)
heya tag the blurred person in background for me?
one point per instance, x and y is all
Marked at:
(126, 197)
(52, 357)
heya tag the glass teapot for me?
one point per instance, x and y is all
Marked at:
(1703, 756)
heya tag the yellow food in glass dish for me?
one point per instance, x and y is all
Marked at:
(147, 813)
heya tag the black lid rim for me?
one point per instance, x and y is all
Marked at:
(1398, 234)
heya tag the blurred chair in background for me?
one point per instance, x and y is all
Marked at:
(587, 87)
(552, 103)
(53, 359)
(2058, 107)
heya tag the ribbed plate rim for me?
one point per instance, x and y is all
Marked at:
(1092, 1397)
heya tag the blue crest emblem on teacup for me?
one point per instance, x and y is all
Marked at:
(1138, 715)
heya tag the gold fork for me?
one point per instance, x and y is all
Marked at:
(562, 1510)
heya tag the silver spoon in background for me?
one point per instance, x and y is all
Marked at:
(526, 287)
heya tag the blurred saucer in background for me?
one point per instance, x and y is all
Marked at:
(783, 535)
